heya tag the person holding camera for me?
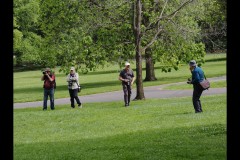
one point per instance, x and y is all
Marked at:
(48, 86)
(127, 78)
(197, 77)
(73, 87)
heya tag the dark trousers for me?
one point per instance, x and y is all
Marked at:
(197, 92)
(50, 93)
(74, 95)
(127, 90)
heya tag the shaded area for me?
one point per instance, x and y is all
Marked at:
(196, 142)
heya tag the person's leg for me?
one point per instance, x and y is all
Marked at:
(45, 97)
(125, 91)
(197, 92)
(75, 95)
(71, 97)
(51, 94)
(129, 88)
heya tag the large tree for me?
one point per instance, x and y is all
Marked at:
(156, 22)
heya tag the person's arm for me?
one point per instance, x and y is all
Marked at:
(121, 79)
(77, 79)
(133, 80)
(51, 79)
(68, 78)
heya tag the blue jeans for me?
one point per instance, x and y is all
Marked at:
(50, 93)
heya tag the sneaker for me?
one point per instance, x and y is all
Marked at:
(44, 109)
(80, 106)
(126, 105)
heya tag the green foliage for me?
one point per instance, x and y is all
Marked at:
(27, 40)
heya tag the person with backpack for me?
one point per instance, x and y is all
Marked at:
(48, 85)
(197, 77)
(73, 87)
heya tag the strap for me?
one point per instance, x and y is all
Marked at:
(77, 83)
(204, 75)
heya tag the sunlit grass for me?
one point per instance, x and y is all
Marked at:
(29, 87)
(152, 129)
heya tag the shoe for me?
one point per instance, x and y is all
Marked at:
(44, 109)
(52, 108)
(80, 106)
(126, 105)
(72, 106)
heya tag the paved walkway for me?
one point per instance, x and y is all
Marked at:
(149, 92)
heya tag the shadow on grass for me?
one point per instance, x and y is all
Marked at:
(155, 144)
(96, 85)
(216, 59)
(117, 71)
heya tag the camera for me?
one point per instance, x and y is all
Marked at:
(43, 72)
(128, 82)
(70, 83)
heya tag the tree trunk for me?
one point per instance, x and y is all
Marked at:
(150, 74)
(137, 31)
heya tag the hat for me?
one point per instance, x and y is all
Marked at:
(127, 64)
(47, 69)
(72, 69)
(192, 63)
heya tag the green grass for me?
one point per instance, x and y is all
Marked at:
(28, 86)
(153, 129)
(217, 84)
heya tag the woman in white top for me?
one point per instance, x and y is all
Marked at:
(73, 84)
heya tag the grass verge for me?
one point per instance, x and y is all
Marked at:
(153, 129)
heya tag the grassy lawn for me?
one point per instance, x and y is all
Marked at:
(28, 86)
(154, 129)
(217, 84)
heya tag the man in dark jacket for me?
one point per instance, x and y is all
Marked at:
(197, 77)
(127, 78)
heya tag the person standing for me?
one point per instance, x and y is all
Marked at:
(127, 78)
(48, 86)
(197, 77)
(73, 84)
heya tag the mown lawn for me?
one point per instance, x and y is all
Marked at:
(153, 129)
(28, 86)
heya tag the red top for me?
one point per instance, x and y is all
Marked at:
(47, 83)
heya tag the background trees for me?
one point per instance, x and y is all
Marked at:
(90, 34)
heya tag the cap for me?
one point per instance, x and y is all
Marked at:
(72, 69)
(47, 69)
(192, 63)
(127, 64)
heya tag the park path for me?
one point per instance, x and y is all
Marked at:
(149, 92)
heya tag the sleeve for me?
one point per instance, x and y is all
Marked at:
(121, 74)
(77, 79)
(53, 78)
(68, 77)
